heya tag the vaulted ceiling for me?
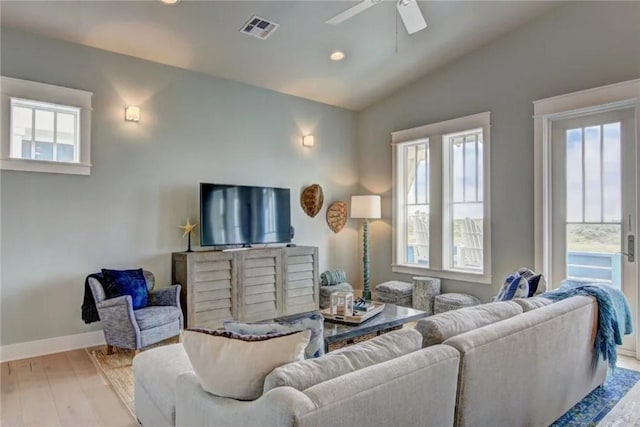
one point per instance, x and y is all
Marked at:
(204, 36)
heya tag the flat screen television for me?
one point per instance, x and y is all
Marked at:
(242, 215)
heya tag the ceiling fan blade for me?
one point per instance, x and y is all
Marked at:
(351, 12)
(411, 16)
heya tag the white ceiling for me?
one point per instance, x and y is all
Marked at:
(204, 36)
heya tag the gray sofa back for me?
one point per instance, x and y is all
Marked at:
(529, 369)
(309, 372)
(417, 389)
(438, 328)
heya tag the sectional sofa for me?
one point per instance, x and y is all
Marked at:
(500, 364)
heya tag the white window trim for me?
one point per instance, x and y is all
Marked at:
(24, 89)
(433, 132)
(618, 95)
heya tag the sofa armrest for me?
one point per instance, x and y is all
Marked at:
(124, 301)
(281, 406)
(119, 322)
(165, 296)
(549, 368)
(117, 313)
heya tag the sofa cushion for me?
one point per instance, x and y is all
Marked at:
(307, 373)
(313, 322)
(153, 316)
(438, 328)
(235, 366)
(156, 371)
(126, 282)
(532, 303)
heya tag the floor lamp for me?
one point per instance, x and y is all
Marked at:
(365, 207)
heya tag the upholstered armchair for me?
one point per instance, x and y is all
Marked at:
(127, 328)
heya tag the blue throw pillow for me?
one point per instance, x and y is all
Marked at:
(534, 279)
(127, 282)
(308, 321)
(515, 286)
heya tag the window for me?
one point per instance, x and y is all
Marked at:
(441, 209)
(42, 131)
(48, 128)
(463, 195)
(416, 184)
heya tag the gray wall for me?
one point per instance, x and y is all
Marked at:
(574, 47)
(56, 229)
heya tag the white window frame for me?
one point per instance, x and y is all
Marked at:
(434, 133)
(41, 92)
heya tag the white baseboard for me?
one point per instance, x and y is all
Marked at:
(50, 345)
(624, 352)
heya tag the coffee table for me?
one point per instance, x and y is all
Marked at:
(337, 335)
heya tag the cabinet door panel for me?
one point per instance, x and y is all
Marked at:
(259, 273)
(300, 285)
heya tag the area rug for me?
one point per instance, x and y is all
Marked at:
(117, 370)
(626, 413)
(597, 404)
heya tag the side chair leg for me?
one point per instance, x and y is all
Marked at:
(109, 349)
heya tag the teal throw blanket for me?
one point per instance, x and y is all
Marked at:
(333, 277)
(614, 314)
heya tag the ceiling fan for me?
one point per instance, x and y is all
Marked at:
(408, 9)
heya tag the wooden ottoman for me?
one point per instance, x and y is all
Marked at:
(453, 301)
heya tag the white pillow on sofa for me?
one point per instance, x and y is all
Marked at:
(235, 366)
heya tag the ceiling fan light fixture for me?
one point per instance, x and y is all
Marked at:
(408, 10)
(411, 16)
(170, 2)
(337, 55)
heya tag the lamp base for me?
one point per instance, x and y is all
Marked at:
(366, 290)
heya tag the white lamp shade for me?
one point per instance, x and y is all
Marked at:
(365, 207)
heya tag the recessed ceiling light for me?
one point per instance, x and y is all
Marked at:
(337, 55)
(170, 1)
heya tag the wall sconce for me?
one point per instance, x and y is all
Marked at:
(308, 141)
(132, 113)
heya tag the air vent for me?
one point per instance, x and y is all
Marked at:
(259, 27)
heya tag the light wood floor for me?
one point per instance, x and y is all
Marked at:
(65, 389)
(62, 389)
(628, 363)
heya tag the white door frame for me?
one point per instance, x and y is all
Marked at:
(624, 94)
